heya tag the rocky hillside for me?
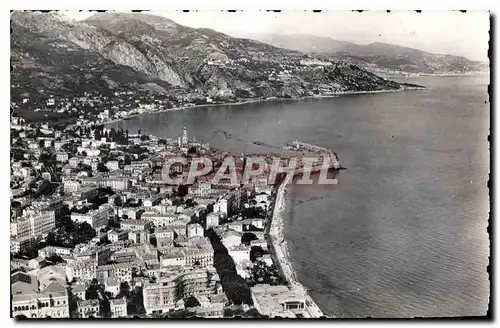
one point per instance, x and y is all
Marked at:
(375, 56)
(114, 51)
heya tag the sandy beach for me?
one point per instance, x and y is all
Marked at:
(281, 250)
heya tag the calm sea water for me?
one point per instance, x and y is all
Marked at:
(403, 234)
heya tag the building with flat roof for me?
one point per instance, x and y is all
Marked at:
(133, 225)
(197, 252)
(177, 283)
(96, 218)
(88, 308)
(118, 308)
(33, 224)
(282, 301)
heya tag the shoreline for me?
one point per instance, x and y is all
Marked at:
(280, 249)
(259, 100)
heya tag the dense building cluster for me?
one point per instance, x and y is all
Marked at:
(96, 233)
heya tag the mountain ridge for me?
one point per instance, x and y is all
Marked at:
(375, 56)
(114, 51)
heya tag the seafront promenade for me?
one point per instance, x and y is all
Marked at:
(281, 251)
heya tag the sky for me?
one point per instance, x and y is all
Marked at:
(457, 33)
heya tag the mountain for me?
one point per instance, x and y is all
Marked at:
(377, 56)
(120, 51)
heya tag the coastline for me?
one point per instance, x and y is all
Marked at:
(280, 249)
(259, 100)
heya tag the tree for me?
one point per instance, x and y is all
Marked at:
(235, 287)
(93, 290)
(179, 289)
(113, 223)
(83, 233)
(118, 202)
(124, 290)
(180, 314)
(247, 237)
(191, 301)
(256, 252)
(190, 202)
(263, 274)
(54, 258)
(135, 304)
(102, 168)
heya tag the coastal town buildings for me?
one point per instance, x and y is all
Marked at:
(88, 308)
(33, 224)
(34, 301)
(101, 226)
(176, 284)
(118, 308)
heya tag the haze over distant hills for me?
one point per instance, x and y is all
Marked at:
(376, 56)
(132, 51)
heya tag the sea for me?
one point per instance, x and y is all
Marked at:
(404, 233)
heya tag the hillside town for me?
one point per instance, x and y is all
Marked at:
(96, 232)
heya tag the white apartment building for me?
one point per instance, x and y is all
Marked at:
(138, 237)
(74, 161)
(118, 308)
(120, 271)
(164, 294)
(79, 291)
(200, 253)
(62, 156)
(92, 152)
(200, 189)
(71, 186)
(112, 285)
(240, 254)
(48, 251)
(88, 308)
(115, 183)
(221, 206)
(33, 224)
(33, 145)
(115, 235)
(133, 225)
(96, 218)
(164, 232)
(19, 244)
(159, 220)
(113, 165)
(99, 254)
(194, 230)
(58, 145)
(84, 271)
(212, 220)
